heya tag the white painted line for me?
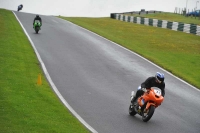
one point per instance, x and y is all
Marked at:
(138, 56)
(53, 85)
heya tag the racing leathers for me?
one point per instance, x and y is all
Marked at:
(150, 82)
(37, 18)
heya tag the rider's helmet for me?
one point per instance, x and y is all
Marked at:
(37, 16)
(159, 77)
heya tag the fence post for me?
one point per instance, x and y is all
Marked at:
(191, 15)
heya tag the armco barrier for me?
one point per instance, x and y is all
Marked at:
(176, 26)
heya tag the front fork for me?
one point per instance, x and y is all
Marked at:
(143, 106)
(140, 108)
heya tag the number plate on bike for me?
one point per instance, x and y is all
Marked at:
(157, 92)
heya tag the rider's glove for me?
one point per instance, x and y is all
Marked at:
(144, 89)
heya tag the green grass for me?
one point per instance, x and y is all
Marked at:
(175, 51)
(170, 17)
(24, 105)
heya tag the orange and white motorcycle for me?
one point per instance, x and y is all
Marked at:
(146, 104)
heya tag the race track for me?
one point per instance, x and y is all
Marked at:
(96, 77)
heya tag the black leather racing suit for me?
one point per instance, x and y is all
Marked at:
(37, 18)
(150, 82)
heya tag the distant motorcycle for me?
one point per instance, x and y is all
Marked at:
(19, 8)
(146, 104)
(37, 26)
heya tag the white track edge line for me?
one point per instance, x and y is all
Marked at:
(53, 85)
(138, 56)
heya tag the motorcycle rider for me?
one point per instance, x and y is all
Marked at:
(20, 7)
(155, 81)
(37, 18)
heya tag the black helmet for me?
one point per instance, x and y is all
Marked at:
(160, 77)
(37, 15)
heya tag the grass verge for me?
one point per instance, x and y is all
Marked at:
(175, 51)
(24, 105)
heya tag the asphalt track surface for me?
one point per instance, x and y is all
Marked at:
(96, 76)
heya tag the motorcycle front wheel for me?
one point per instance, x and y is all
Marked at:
(146, 116)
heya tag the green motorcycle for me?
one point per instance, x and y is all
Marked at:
(37, 26)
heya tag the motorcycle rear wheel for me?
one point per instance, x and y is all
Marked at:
(37, 29)
(147, 116)
(132, 110)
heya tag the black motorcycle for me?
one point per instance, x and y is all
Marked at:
(19, 8)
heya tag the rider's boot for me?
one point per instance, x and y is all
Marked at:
(133, 99)
(137, 94)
